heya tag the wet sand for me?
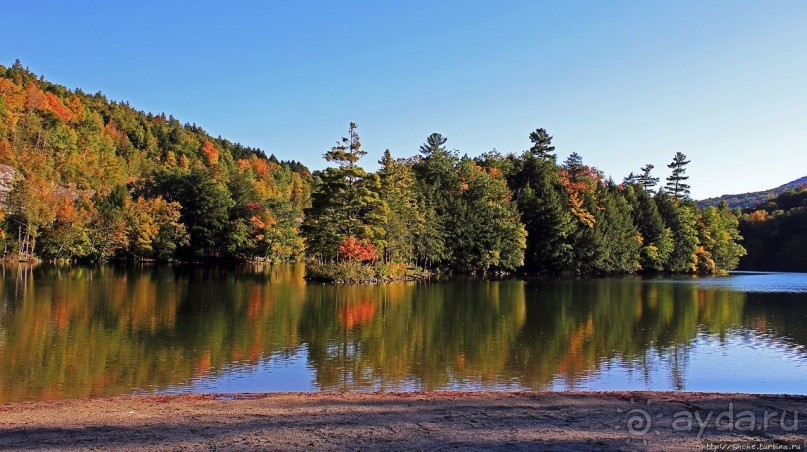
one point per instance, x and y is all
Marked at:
(398, 421)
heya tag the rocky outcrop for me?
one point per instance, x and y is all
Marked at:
(7, 176)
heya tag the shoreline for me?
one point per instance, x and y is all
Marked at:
(419, 420)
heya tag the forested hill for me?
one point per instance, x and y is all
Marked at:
(94, 178)
(775, 233)
(747, 200)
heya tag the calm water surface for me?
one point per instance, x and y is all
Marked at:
(97, 331)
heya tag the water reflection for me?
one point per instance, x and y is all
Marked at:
(94, 331)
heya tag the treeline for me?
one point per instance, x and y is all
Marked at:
(90, 178)
(775, 233)
(501, 213)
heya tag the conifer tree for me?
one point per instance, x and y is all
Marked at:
(539, 196)
(676, 182)
(646, 180)
(541, 144)
(404, 220)
(346, 202)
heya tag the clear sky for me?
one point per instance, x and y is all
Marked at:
(622, 83)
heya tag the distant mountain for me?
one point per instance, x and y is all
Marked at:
(747, 200)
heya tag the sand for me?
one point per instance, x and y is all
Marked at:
(398, 421)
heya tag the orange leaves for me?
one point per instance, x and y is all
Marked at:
(6, 152)
(117, 136)
(585, 181)
(261, 220)
(757, 216)
(580, 212)
(67, 212)
(77, 108)
(35, 99)
(352, 248)
(261, 167)
(211, 153)
(356, 314)
(257, 223)
(58, 108)
(13, 96)
(243, 164)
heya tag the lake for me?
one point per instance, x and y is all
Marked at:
(70, 332)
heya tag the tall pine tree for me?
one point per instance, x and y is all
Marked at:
(676, 182)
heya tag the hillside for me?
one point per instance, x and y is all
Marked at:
(748, 200)
(775, 233)
(85, 177)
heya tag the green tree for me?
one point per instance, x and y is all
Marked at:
(681, 219)
(676, 182)
(436, 182)
(656, 240)
(619, 240)
(540, 199)
(346, 202)
(646, 180)
(542, 145)
(719, 236)
(487, 234)
(404, 221)
(206, 205)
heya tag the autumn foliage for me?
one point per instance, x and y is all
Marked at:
(355, 314)
(93, 179)
(352, 248)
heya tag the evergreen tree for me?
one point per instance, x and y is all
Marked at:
(618, 238)
(574, 167)
(345, 204)
(676, 182)
(539, 196)
(656, 240)
(681, 220)
(541, 145)
(434, 145)
(206, 205)
(404, 221)
(646, 180)
(487, 234)
(436, 182)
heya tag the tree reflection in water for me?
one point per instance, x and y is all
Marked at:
(70, 332)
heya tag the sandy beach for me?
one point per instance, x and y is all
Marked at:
(397, 421)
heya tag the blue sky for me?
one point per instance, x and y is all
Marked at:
(621, 83)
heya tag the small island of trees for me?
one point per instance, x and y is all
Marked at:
(439, 212)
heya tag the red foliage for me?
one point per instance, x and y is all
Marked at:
(255, 206)
(584, 182)
(356, 314)
(352, 248)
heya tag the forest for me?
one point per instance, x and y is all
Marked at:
(496, 213)
(91, 179)
(775, 233)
